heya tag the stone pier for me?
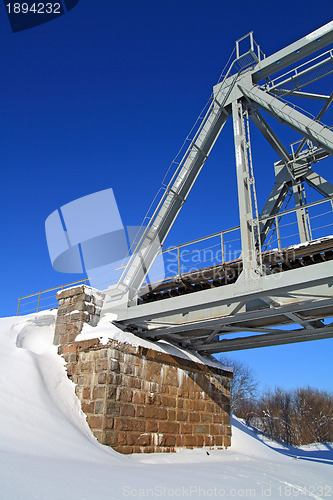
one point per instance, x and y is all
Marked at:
(139, 399)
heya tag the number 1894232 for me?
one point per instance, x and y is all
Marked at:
(35, 8)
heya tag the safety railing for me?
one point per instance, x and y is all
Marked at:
(45, 299)
(225, 246)
(304, 74)
(218, 248)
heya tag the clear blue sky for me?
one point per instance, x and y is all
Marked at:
(103, 97)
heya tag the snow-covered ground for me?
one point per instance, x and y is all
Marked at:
(47, 451)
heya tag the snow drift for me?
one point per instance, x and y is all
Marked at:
(47, 451)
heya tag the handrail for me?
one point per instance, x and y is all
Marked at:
(39, 294)
(177, 248)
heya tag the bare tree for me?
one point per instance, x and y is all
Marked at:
(243, 387)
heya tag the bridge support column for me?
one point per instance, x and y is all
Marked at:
(247, 201)
(141, 398)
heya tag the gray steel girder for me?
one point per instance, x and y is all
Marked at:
(173, 200)
(267, 340)
(269, 135)
(319, 183)
(307, 127)
(292, 53)
(246, 321)
(274, 201)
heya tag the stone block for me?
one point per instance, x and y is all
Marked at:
(215, 429)
(108, 423)
(57, 338)
(171, 414)
(143, 440)
(218, 418)
(122, 438)
(127, 450)
(162, 413)
(129, 424)
(127, 369)
(151, 426)
(179, 441)
(110, 391)
(153, 399)
(186, 428)
(101, 365)
(116, 354)
(97, 392)
(209, 440)
(140, 411)
(194, 417)
(200, 429)
(206, 418)
(218, 440)
(199, 440)
(182, 415)
(138, 397)
(87, 366)
(86, 393)
(88, 406)
(79, 316)
(114, 365)
(198, 405)
(112, 409)
(100, 406)
(168, 401)
(226, 441)
(124, 395)
(168, 427)
(127, 410)
(71, 369)
(111, 438)
(103, 378)
(95, 421)
(189, 441)
(170, 441)
(134, 382)
(69, 348)
(150, 412)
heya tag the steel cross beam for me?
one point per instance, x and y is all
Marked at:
(308, 127)
(267, 340)
(295, 52)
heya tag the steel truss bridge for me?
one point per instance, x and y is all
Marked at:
(265, 296)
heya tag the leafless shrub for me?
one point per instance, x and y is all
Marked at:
(298, 417)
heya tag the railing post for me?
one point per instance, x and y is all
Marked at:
(18, 307)
(278, 231)
(222, 248)
(39, 296)
(178, 260)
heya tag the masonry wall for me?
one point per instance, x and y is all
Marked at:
(138, 399)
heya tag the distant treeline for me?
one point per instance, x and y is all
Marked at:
(296, 417)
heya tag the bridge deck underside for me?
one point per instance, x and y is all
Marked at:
(259, 315)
